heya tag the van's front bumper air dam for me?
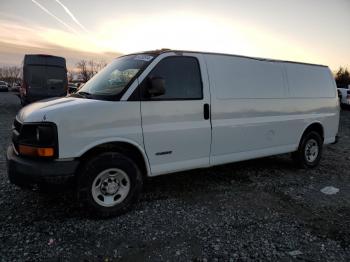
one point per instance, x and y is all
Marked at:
(27, 172)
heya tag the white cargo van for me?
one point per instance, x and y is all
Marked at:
(154, 113)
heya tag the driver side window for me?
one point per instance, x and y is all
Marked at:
(182, 79)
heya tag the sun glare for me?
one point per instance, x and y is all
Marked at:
(191, 31)
(176, 31)
(188, 31)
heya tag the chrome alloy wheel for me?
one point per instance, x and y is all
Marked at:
(311, 150)
(110, 187)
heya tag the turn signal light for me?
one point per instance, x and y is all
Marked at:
(36, 151)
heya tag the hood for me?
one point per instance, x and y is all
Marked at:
(41, 111)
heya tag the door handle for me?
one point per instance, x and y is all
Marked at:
(206, 111)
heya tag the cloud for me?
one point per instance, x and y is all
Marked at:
(24, 38)
(19, 33)
(12, 54)
(54, 16)
(34, 35)
(71, 15)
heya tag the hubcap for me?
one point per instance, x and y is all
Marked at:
(110, 187)
(311, 150)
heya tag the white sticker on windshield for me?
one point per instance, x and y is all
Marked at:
(144, 57)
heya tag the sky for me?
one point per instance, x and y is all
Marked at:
(314, 31)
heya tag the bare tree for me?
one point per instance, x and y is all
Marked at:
(10, 74)
(92, 67)
(71, 75)
(83, 70)
(88, 69)
(4, 73)
(99, 65)
(342, 77)
(14, 72)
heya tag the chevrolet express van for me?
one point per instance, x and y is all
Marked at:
(44, 76)
(154, 113)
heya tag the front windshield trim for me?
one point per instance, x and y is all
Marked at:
(118, 96)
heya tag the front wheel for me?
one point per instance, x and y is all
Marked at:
(109, 184)
(309, 151)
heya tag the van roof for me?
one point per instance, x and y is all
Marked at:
(165, 50)
(43, 59)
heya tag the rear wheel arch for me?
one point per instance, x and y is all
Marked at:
(316, 127)
(126, 148)
(313, 133)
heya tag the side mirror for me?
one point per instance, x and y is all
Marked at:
(156, 86)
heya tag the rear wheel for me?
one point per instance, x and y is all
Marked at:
(109, 184)
(309, 151)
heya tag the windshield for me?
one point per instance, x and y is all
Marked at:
(115, 77)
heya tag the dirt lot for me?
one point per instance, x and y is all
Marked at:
(264, 209)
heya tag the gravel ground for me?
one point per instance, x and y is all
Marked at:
(264, 209)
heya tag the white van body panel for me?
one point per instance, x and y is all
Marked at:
(255, 111)
(85, 123)
(258, 108)
(307, 81)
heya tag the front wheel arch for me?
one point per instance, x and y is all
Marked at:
(122, 147)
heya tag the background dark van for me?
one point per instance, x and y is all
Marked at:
(44, 76)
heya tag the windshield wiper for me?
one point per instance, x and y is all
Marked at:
(84, 94)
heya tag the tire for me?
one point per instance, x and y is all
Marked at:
(310, 151)
(109, 184)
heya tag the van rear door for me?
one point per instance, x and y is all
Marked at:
(35, 76)
(56, 81)
(45, 81)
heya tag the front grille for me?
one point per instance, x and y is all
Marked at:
(16, 130)
(17, 125)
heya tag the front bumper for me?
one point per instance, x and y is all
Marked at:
(27, 172)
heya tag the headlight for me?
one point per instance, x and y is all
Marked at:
(44, 134)
(38, 140)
